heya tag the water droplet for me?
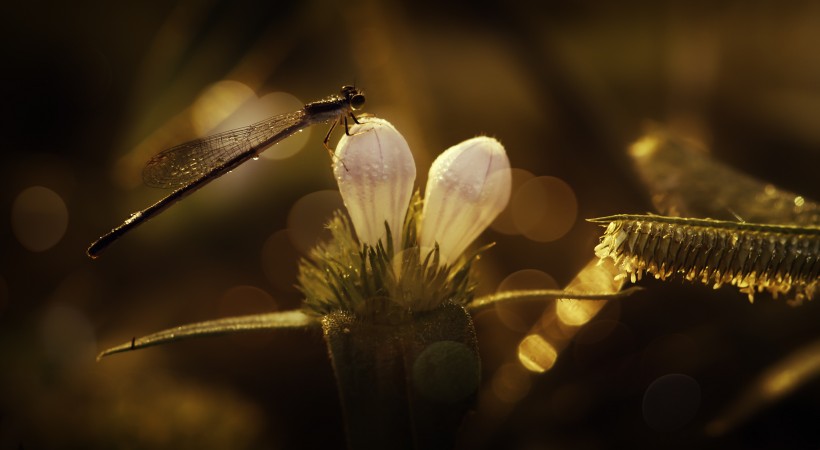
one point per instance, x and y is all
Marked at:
(133, 217)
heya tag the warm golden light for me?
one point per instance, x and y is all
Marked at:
(644, 147)
(218, 102)
(595, 277)
(576, 312)
(536, 354)
(505, 222)
(519, 316)
(544, 209)
(780, 382)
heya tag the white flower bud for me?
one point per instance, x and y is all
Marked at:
(468, 186)
(375, 171)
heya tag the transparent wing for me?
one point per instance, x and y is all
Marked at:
(185, 163)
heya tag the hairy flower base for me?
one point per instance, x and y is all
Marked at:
(381, 284)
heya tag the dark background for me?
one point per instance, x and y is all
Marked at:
(90, 90)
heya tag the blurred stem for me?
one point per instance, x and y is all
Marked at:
(486, 301)
(405, 385)
(256, 322)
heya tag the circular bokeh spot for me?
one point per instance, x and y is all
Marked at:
(544, 209)
(446, 372)
(671, 402)
(536, 353)
(244, 299)
(39, 218)
(518, 316)
(309, 216)
(505, 222)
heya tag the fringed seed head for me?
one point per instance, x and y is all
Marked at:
(781, 259)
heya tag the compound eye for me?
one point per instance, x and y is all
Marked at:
(357, 101)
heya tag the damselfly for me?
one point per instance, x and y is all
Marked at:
(189, 166)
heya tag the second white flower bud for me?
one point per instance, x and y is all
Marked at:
(468, 186)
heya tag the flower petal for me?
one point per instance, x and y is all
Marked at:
(375, 171)
(468, 186)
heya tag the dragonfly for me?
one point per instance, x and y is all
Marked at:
(191, 165)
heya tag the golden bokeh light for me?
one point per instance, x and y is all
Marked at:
(786, 376)
(644, 147)
(39, 218)
(595, 277)
(577, 312)
(254, 109)
(281, 103)
(517, 315)
(217, 103)
(505, 222)
(536, 354)
(544, 208)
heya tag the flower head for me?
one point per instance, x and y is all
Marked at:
(404, 260)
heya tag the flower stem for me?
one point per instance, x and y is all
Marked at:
(405, 385)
